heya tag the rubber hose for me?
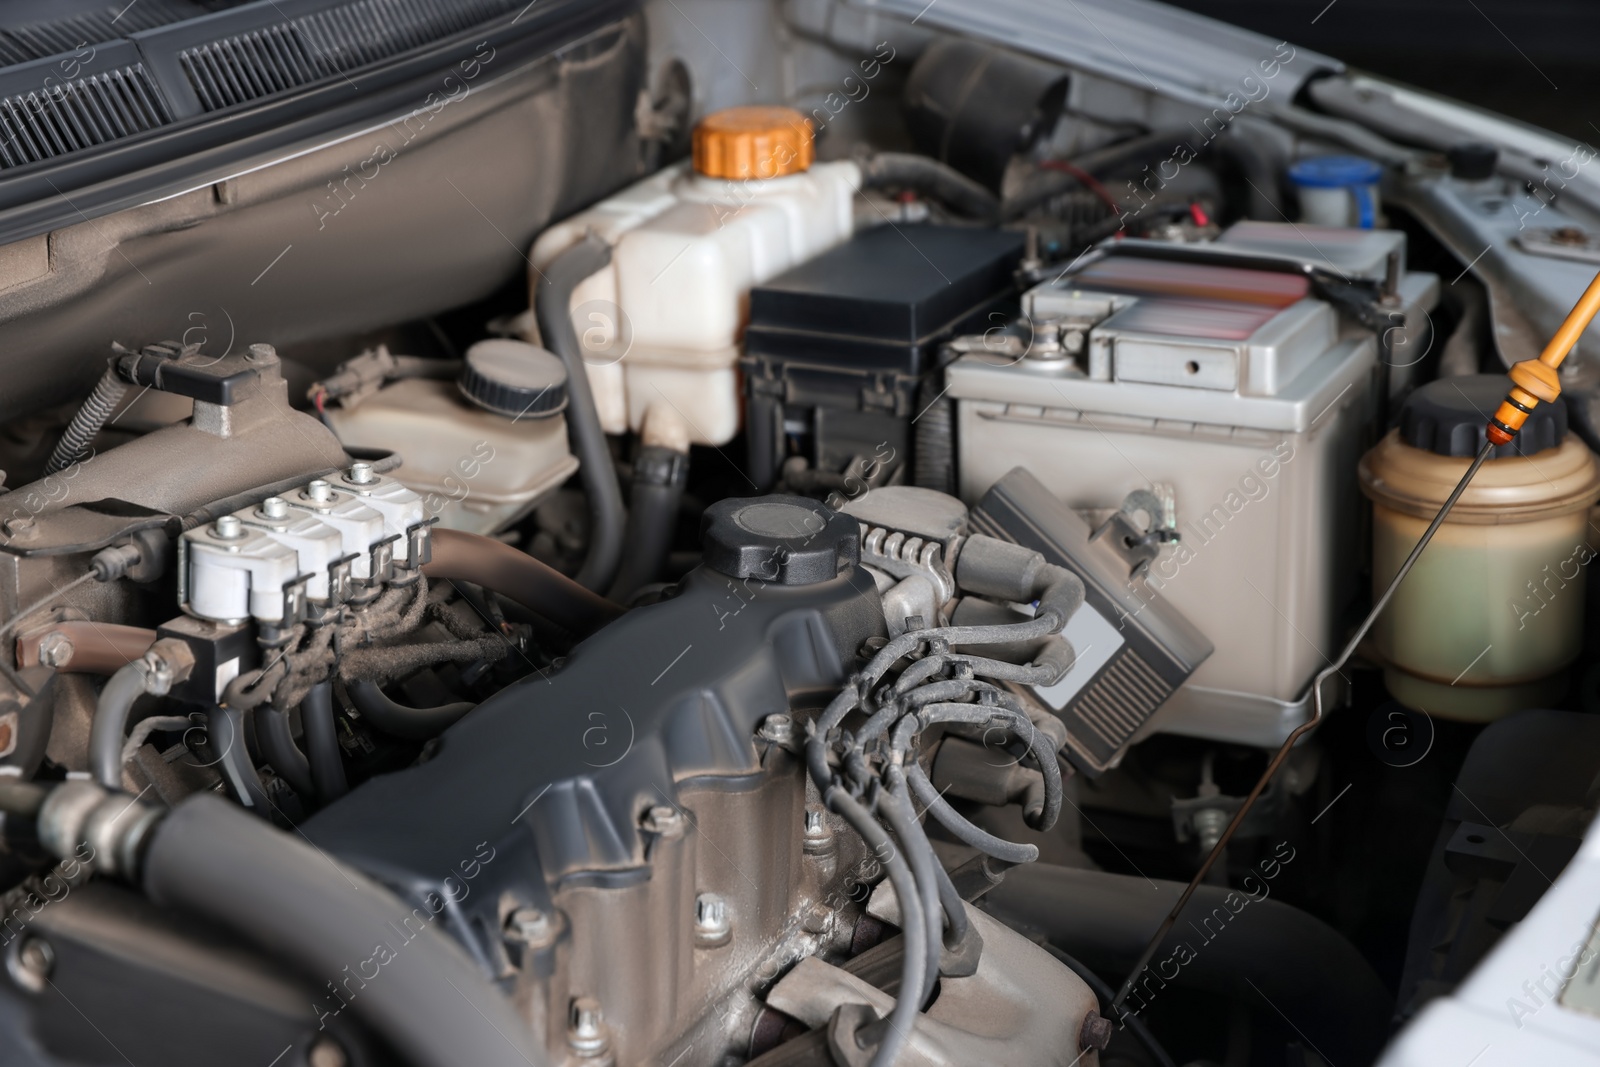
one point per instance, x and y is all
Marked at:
(392, 717)
(517, 576)
(1052, 183)
(225, 732)
(659, 475)
(1106, 995)
(932, 178)
(81, 431)
(1250, 951)
(908, 1004)
(896, 807)
(322, 744)
(553, 309)
(294, 902)
(283, 755)
(111, 723)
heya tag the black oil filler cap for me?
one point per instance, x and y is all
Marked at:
(786, 540)
(1449, 416)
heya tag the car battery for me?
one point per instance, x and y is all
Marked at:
(1243, 399)
(837, 348)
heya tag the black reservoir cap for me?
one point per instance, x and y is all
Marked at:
(787, 540)
(1449, 417)
(514, 378)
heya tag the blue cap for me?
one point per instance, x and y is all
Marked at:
(1335, 172)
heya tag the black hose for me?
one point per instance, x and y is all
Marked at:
(896, 808)
(89, 420)
(225, 737)
(392, 717)
(283, 755)
(895, 1029)
(110, 723)
(322, 744)
(930, 177)
(1242, 945)
(294, 902)
(659, 475)
(553, 309)
(1050, 184)
(1106, 994)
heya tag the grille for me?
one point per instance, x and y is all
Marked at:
(78, 114)
(53, 37)
(323, 44)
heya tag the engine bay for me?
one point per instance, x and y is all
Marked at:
(811, 533)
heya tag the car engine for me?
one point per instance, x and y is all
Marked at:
(774, 534)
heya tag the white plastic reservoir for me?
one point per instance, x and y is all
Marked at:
(662, 324)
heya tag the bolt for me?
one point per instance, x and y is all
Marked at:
(531, 926)
(711, 924)
(327, 1053)
(55, 650)
(21, 526)
(586, 1027)
(319, 490)
(360, 474)
(228, 528)
(665, 820)
(275, 507)
(1095, 1032)
(31, 962)
(1209, 823)
(261, 354)
(818, 838)
(778, 729)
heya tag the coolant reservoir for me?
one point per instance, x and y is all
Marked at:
(661, 325)
(482, 451)
(1494, 607)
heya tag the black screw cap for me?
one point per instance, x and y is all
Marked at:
(786, 540)
(514, 378)
(1449, 416)
(1473, 161)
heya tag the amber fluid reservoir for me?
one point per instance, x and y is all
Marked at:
(1493, 610)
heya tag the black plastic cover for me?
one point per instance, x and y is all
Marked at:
(789, 540)
(553, 772)
(1450, 417)
(871, 302)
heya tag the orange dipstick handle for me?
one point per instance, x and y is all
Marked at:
(1534, 380)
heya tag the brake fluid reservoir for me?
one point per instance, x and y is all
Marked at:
(1493, 610)
(663, 322)
(482, 451)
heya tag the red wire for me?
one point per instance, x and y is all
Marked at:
(1199, 215)
(1087, 180)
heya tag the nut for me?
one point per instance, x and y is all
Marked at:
(275, 507)
(227, 528)
(360, 474)
(531, 927)
(777, 729)
(586, 1027)
(30, 961)
(319, 490)
(712, 927)
(665, 820)
(55, 649)
(818, 837)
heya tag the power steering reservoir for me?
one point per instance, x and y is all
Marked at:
(1494, 609)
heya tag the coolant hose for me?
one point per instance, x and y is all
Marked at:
(931, 178)
(395, 718)
(1241, 944)
(659, 475)
(294, 902)
(111, 722)
(283, 755)
(81, 431)
(553, 310)
(322, 743)
(518, 576)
